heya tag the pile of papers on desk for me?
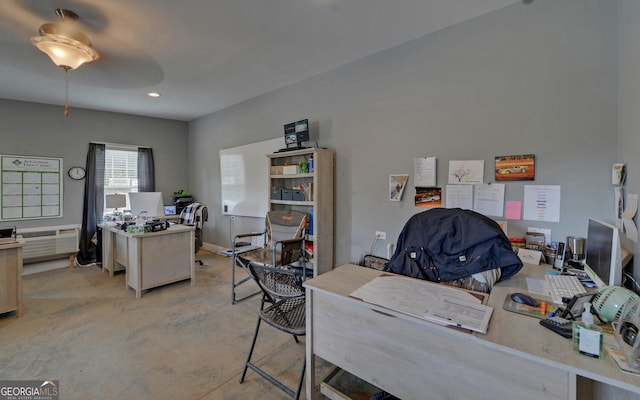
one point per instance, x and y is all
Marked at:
(433, 302)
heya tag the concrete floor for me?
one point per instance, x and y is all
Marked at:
(88, 331)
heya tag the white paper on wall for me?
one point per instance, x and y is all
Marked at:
(542, 203)
(630, 210)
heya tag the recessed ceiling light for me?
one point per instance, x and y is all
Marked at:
(153, 94)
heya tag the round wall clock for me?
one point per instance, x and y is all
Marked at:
(76, 173)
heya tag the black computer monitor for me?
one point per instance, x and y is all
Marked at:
(296, 133)
(603, 262)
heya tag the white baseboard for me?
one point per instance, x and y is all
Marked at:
(213, 248)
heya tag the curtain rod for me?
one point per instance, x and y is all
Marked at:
(120, 144)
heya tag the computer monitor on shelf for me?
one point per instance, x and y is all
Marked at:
(296, 133)
(603, 262)
(146, 204)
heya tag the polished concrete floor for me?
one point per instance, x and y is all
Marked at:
(180, 341)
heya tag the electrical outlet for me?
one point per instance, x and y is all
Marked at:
(381, 235)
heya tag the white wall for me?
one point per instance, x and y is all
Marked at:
(538, 78)
(41, 130)
(629, 100)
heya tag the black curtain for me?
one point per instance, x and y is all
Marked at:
(146, 170)
(93, 207)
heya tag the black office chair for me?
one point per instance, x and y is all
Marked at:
(195, 214)
(282, 289)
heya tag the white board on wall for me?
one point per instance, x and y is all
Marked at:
(30, 187)
(243, 176)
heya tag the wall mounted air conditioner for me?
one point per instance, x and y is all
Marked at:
(49, 242)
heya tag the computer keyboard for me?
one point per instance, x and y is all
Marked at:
(563, 286)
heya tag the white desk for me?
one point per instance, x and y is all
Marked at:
(150, 259)
(11, 277)
(409, 357)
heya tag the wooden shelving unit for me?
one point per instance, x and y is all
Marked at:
(320, 203)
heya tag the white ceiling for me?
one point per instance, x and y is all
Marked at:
(205, 55)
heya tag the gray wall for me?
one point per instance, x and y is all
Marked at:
(629, 100)
(41, 130)
(538, 78)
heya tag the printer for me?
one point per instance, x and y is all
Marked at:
(181, 202)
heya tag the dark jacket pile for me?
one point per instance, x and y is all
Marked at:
(444, 244)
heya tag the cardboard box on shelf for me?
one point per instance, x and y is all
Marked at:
(289, 169)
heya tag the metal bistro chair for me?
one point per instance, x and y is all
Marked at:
(282, 289)
(283, 244)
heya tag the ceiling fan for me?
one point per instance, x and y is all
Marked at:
(67, 46)
(103, 35)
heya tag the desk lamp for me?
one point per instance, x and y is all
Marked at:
(116, 201)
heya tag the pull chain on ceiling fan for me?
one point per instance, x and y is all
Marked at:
(67, 47)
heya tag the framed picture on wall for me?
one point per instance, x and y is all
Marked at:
(515, 167)
(397, 184)
(428, 197)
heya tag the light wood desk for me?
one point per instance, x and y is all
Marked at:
(409, 357)
(150, 259)
(11, 277)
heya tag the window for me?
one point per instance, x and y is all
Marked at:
(121, 172)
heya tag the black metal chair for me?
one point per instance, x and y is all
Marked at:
(283, 244)
(282, 291)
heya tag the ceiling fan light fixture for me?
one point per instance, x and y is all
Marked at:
(67, 47)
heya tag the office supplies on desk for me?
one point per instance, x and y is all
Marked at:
(441, 304)
(588, 338)
(621, 360)
(563, 286)
(537, 286)
(544, 309)
(530, 256)
(575, 306)
(524, 298)
(559, 325)
(559, 261)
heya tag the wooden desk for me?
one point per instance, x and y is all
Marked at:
(409, 357)
(150, 259)
(11, 277)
